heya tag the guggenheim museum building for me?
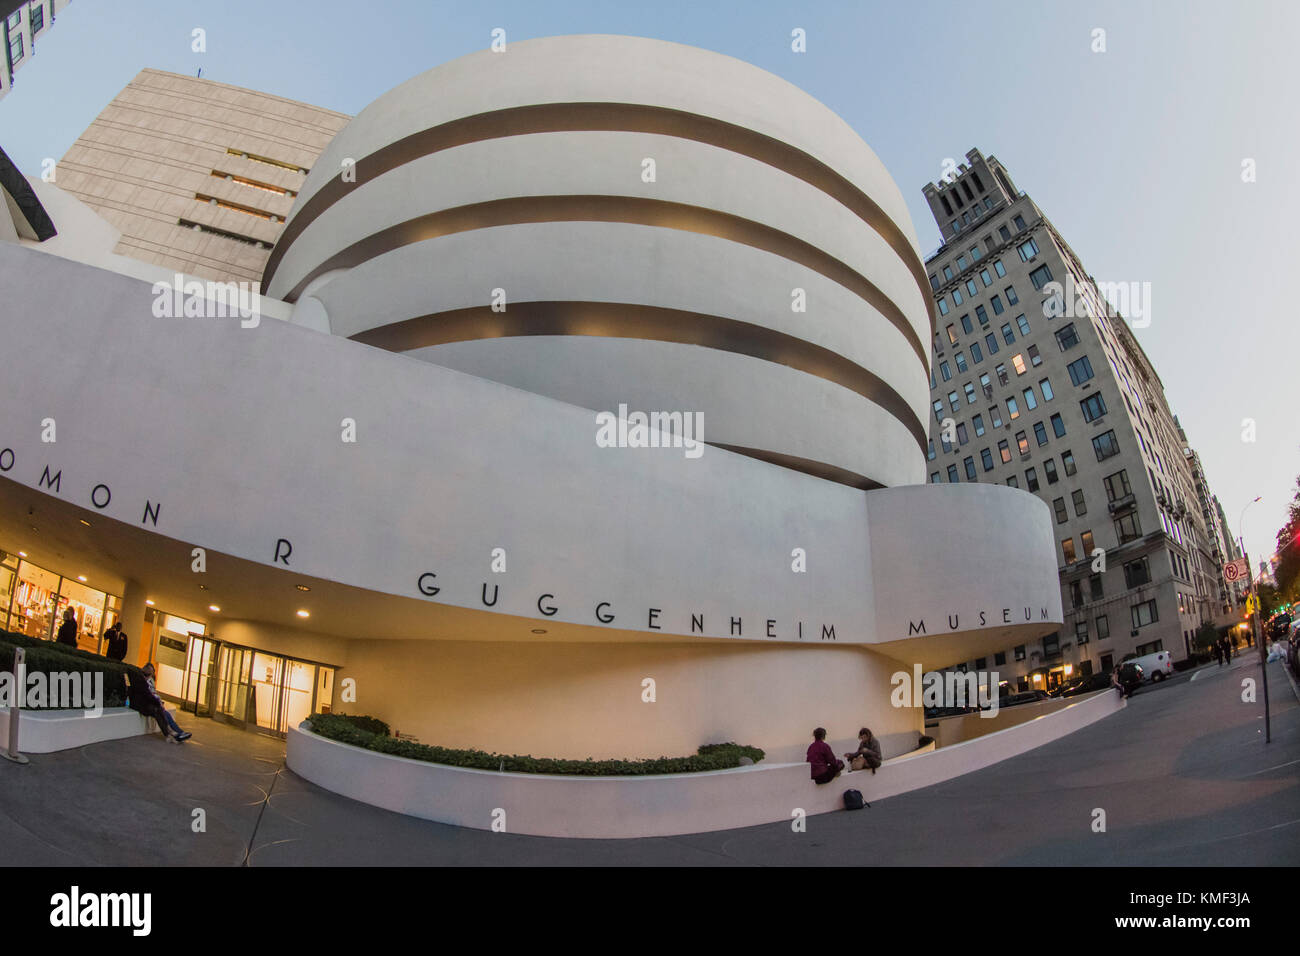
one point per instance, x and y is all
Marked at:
(571, 400)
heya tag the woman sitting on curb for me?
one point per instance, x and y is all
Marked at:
(867, 754)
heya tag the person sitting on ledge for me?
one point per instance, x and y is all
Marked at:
(868, 752)
(145, 700)
(825, 765)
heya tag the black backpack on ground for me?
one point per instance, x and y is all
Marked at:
(853, 800)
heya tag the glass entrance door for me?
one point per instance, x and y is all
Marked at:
(234, 687)
(200, 671)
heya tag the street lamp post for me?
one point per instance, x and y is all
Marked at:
(1256, 625)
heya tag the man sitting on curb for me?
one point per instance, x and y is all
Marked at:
(144, 699)
(825, 765)
(868, 752)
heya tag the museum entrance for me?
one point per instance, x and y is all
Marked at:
(253, 689)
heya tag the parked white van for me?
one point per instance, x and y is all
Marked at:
(1156, 666)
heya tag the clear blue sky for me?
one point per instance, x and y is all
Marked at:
(1134, 153)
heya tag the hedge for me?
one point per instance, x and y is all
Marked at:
(46, 657)
(366, 732)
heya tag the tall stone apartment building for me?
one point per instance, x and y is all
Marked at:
(22, 27)
(198, 176)
(1039, 383)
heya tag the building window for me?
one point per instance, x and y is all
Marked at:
(934, 283)
(16, 48)
(930, 455)
(1081, 632)
(1031, 479)
(1004, 451)
(1058, 429)
(952, 474)
(1001, 371)
(962, 437)
(998, 307)
(986, 459)
(1013, 409)
(1080, 505)
(970, 393)
(991, 341)
(982, 314)
(1019, 223)
(978, 422)
(1012, 298)
(974, 253)
(1066, 338)
(956, 297)
(960, 359)
(1067, 459)
(1058, 505)
(1027, 250)
(951, 331)
(1049, 469)
(1076, 595)
(1030, 401)
(961, 263)
(1137, 573)
(995, 416)
(1018, 361)
(953, 401)
(1022, 324)
(1019, 652)
(1144, 614)
(1127, 528)
(938, 410)
(934, 477)
(1117, 486)
(1105, 445)
(1040, 435)
(1094, 407)
(1103, 627)
(976, 354)
(37, 14)
(999, 658)
(1080, 370)
(1085, 540)
(1004, 232)
(999, 268)
(1006, 334)
(1040, 277)
(971, 289)
(944, 371)
(1034, 358)
(986, 278)
(1013, 481)
(1067, 549)
(947, 270)
(1045, 387)
(1022, 444)
(943, 305)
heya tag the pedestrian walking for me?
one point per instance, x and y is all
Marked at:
(1218, 652)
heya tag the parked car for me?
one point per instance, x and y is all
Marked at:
(1086, 685)
(1156, 667)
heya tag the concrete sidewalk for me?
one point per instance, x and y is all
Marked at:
(1182, 775)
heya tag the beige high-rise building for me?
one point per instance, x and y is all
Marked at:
(197, 175)
(1040, 383)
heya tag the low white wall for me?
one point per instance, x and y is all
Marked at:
(45, 731)
(662, 805)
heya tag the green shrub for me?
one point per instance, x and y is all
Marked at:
(351, 730)
(46, 657)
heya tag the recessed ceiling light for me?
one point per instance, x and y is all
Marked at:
(81, 577)
(302, 587)
(84, 521)
(22, 554)
(203, 587)
(304, 613)
(539, 630)
(150, 603)
(213, 607)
